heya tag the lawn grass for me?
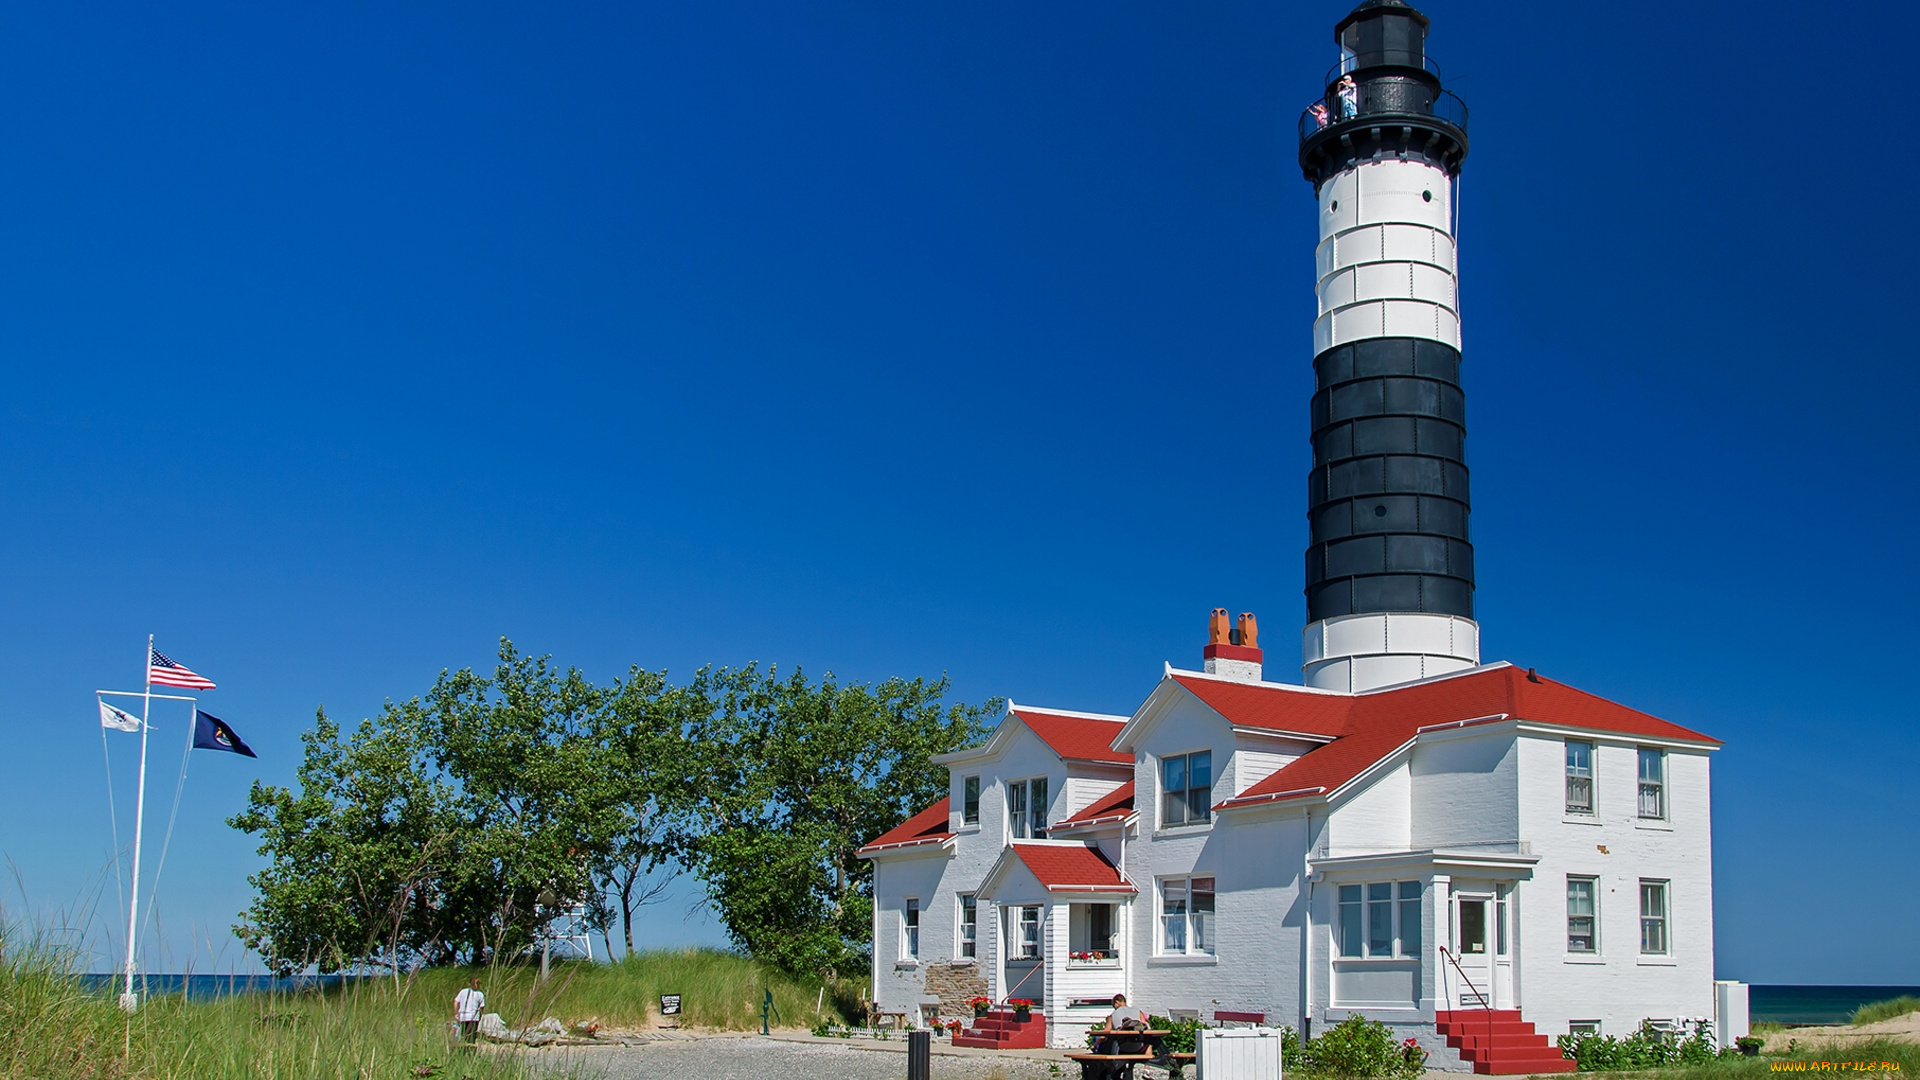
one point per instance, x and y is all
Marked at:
(1892, 1057)
(1886, 1010)
(52, 1029)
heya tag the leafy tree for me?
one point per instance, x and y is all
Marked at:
(794, 777)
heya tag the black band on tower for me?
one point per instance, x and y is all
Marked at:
(1387, 498)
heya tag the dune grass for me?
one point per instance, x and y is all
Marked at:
(1886, 1010)
(52, 1029)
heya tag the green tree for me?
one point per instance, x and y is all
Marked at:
(793, 777)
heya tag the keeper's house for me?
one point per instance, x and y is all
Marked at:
(1488, 836)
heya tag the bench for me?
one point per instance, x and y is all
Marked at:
(1223, 1016)
(897, 1016)
(1177, 1062)
(1108, 1066)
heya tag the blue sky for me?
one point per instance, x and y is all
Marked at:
(902, 339)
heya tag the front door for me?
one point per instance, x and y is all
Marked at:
(1026, 970)
(1474, 932)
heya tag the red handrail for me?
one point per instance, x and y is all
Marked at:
(1486, 1001)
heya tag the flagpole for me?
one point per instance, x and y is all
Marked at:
(127, 999)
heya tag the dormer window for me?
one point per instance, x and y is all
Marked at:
(1027, 808)
(970, 801)
(1186, 788)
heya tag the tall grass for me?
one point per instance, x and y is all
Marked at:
(51, 1029)
(1886, 1010)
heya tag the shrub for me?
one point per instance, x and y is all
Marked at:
(1647, 1048)
(1360, 1049)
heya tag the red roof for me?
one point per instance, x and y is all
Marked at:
(1117, 805)
(929, 826)
(1373, 725)
(1075, 738)
(1072, 868)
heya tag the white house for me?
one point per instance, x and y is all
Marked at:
(1487, 836)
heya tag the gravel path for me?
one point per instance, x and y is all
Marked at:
(755, 1058)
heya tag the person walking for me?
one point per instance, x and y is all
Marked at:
(467, 1006)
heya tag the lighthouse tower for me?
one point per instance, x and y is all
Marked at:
(1389, 567)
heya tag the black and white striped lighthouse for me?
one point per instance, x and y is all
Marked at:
(1389, 567)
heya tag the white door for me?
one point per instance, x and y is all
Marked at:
(1473, 951)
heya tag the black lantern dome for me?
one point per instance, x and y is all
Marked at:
(1383, 99)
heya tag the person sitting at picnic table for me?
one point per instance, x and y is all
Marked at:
(1122, 1018)
(467, 1005)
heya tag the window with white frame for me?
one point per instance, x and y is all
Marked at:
(969, 925)
(1026, 932)
(1379, 919)
(1186, 788)
(1653, 782)
(1186, 916)
(1653, 917)
(970, 801)
(1027, 808)
(910, 935)
(1583, 914)
(1583, 1027)
(1579, 777)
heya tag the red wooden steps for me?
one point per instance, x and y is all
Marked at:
(1000, 1031)
(1497, 1042)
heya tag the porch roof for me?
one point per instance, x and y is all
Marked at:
(1115, 806)
(1059, 867)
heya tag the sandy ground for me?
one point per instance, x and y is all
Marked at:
(1899, 1029)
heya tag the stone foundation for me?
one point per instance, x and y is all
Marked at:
(953, 983)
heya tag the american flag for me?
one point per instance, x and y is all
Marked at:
(164, 672)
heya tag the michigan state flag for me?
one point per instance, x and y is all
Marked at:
(212, 733)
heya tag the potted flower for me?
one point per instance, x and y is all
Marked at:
(1750, 1045)
(1022, 1009)
(980, 1006)
(954, 1028)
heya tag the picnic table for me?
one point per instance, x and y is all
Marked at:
(1119, 1050)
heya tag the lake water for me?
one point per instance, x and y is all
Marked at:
(1816, 1004)
(209, 986)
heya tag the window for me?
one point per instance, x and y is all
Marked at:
(1090, 936)
(1500, 925)
(910, 945)
(1409, 918)
(1653, 918)
(1653, 783)
(1583, 897)
(1380, 919)
(1186, 788)
(1027, 808)
(970, 801)
(1186, 916)
(1583, 1027)
(1579, 777)
(1026, 943)
(969, 925)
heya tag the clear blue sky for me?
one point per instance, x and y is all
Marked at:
(900, 339)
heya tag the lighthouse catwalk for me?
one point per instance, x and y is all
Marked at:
(1475, 854)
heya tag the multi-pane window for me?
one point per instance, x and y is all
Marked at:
(969, 925)
(1186, 788)
(910, 943)
(970, 801)
(1653, 918)
(1026, 942)
(1653, 782)
(1583, 899)
(1379, 918)
(1579, 777)
(1409, 918)
(1186, 916)
(1027, 808)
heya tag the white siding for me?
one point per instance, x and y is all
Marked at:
(1376, 818)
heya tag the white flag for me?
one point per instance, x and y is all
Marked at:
(117, 719)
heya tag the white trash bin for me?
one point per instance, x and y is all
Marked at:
(1239, 1053)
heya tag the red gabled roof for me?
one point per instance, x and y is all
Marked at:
(1075, 738)
(1116, 805)
(1072, 868)
(1376, 723)
(929, 826)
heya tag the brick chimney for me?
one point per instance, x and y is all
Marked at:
(1233, 653)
